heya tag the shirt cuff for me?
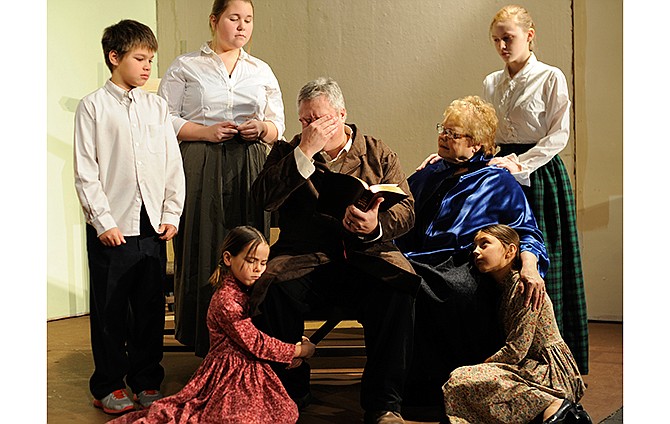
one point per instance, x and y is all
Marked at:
(170, 218)
(103, 223)
(523, 176)
(177, 123)
(304, 164)
(367, 239)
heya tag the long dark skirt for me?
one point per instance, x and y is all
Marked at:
(218, 198)
(553, 202)
(456, 324)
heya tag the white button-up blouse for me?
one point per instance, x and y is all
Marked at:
(532, 108)
(198, 88)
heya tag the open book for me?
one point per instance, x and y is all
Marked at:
(341, 190)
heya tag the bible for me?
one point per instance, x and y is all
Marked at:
(341, 190)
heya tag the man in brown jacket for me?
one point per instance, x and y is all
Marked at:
(320, 262)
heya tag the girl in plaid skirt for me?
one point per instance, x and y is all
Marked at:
(533, 108)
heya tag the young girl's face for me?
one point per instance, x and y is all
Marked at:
(248, 266)
(234, 26)
(511, 41)
(490, 255)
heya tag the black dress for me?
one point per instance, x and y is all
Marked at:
(218, 184)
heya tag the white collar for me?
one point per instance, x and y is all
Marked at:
(347, 146)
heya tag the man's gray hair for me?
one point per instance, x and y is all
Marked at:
(323, 86)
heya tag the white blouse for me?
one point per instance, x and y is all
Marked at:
(532, 107)
(198, 89)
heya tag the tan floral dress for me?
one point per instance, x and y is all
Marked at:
(517, 383)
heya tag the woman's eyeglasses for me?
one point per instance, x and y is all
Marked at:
(449, 133)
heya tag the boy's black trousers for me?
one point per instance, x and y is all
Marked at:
(127, 304)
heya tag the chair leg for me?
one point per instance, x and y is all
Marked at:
(323, 331)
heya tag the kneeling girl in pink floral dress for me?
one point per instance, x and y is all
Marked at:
(234, 383)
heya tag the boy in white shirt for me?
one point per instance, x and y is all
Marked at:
(130, 182)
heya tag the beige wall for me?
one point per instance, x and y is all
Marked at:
(399, 64)
(599, 142)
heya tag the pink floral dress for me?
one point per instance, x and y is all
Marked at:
(234, 383)
(517, 383)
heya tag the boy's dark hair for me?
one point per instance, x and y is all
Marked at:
(125, 36)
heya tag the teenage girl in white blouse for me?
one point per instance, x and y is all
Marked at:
(227, 110)
(533, 107)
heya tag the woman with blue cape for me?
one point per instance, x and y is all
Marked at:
(455, 197)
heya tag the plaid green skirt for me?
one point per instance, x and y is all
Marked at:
(553, 202)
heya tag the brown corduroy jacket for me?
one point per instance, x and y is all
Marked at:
(308, 238)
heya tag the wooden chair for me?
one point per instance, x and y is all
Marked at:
(351, 345)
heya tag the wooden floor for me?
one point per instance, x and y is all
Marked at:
(335, 380)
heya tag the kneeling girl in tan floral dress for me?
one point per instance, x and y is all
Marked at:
(533, 377)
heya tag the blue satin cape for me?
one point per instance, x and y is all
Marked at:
(483, 196)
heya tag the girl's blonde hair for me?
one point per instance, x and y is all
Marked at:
(518, 14)
(239, 239)
(477, 118)
(507, 236)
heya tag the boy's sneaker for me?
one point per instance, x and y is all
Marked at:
(146, 397)
(115, 403)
